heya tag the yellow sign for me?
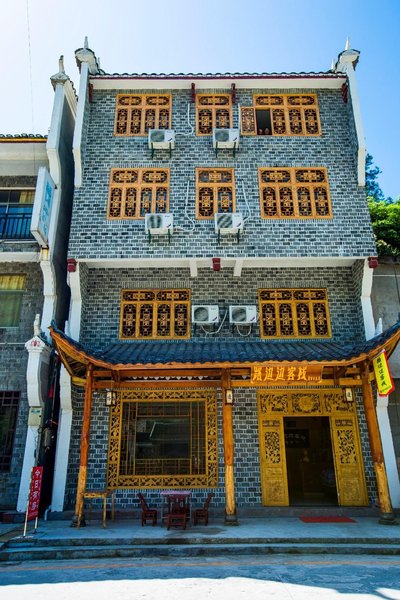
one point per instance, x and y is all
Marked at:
(273, 374)
(383, 376)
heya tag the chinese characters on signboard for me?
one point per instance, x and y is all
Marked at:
(34, 493)
(286, 374)
(42, 207)
(383, 377)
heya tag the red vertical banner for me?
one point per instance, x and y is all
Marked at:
(34, 493)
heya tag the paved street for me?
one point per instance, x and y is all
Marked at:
(235, 578)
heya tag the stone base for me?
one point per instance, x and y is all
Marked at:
(387, 519)
(231, 520)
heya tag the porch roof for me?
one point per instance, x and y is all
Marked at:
(218, 353)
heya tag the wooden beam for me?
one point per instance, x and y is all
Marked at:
(375, 443)
(227, 424)
(85, 444)
(159, 372)
(157, 384)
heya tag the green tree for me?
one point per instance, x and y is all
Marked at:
(372, 186)
(385, 218)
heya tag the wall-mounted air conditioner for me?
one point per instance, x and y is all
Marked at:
(243, 315)
(161, 139)
(159, 224)
(205, 314)
(228, 223)
(226, 138)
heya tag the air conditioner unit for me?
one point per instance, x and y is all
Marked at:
(226, 223)
(243, 315)
(226, 138)
(205, 315)
(161, 139)
(159, 223)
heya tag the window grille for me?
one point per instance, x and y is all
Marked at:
(135, 114)
(163, 438)
(135, 192)
(215, 192)
(281, 115)
(155, 314)
(213, 112)
(295, 313)
(294, 193)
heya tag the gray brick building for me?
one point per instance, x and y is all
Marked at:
(36, 189)
(220, 265)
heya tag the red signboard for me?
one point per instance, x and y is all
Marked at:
(34, 493)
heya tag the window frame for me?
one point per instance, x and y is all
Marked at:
(139, 185)
(164, 397)
(143, 106)
(294, 303)
(214, 187)
(213, 108)
(10, 400)
(270, 102)
(16, 289)
(295, 186)
(128, 300)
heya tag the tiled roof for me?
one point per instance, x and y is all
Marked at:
(201, 351)
(321, 74)
(16, 137)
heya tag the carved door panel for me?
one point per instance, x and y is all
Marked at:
(350, 479)
(273, 462)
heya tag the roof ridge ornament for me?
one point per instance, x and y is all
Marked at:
(86, 55)
(61, 76)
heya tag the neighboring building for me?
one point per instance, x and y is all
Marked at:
(220, 293)
(386, 308)
(36, 191)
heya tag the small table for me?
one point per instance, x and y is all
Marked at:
(100, 494)
(167, 494)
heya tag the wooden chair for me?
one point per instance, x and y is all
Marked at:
(148, 514)
(178, 510)
(201, 514)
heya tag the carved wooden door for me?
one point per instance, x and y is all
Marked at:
(273, 462)
(349, 468)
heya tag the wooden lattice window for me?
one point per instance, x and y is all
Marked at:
(213, 111)
(294, 193)
(163, 439)
(215, 192)
(9, 403)
(135, 114)
(283, 115)
(155, 314)
(135, 192)
(291, 313)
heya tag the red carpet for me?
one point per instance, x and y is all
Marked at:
(327, 520)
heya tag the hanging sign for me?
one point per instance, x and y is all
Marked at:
(281, 374)
(383, 376)
(34, 493)
(42, 207)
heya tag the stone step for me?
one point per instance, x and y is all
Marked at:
(34, 552)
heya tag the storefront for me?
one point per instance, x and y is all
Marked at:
(164, 399)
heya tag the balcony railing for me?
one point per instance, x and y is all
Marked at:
(16, 226)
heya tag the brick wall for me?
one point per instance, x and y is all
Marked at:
(13, 364)
(347, 234)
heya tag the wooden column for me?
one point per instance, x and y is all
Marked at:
(375, 442)
(85, 444)
(227, 422)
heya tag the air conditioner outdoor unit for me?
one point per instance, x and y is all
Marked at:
(205, 315)
(225, 138)
(159, 223)
(243, 315)
(161, 139)
(226, 223)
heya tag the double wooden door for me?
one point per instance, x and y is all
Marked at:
(273, 406)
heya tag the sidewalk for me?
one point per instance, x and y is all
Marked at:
(126, 537)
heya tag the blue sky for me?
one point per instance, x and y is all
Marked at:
(207, 36)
